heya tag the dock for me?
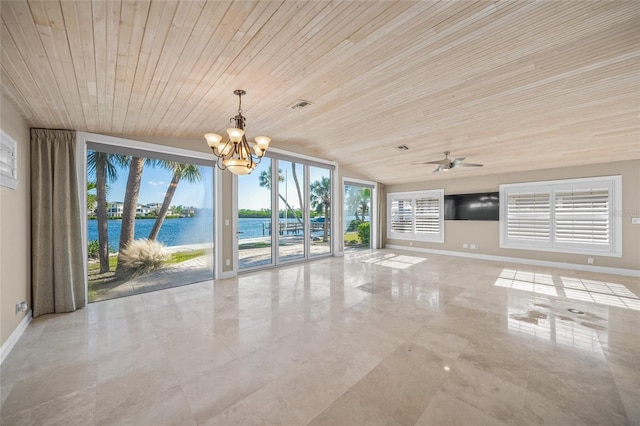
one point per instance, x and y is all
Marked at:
(292, 228)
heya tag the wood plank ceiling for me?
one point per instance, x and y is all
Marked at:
(513, 85)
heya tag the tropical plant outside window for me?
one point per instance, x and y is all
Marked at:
(150, 224)
(320, 202)
(357, 220)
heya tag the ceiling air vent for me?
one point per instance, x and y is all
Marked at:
(301, 104)
(402, 148)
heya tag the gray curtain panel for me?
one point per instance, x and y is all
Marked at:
(382, 217)
(57, 267)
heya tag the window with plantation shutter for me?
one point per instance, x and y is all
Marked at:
(401, 216)
(8, 161)
(416, 215)
(583, 216)
(528, 216)
(427, 218)
(576, 216)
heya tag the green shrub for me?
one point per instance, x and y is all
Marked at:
(93, 249)
(142, 256)
(353, 225)
(364, 232)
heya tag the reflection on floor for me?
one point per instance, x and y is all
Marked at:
(376, 337)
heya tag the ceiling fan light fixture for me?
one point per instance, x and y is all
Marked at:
(447, 164)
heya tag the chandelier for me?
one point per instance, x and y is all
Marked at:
(235, 153)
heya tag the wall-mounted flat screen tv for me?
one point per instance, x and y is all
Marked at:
(479, 206)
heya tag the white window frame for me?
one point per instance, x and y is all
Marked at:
(413, 196)
(614, 186)
(9, 159)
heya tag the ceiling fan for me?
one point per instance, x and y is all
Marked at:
(446, 163)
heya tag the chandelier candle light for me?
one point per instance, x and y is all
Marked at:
(235, 153)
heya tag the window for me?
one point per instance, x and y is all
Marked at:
(8, 161)
(575, 216)
(416, 215)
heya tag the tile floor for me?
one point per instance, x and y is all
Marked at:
(383, 337)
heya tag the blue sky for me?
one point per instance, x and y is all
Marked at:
(251, 195)
(254, 197)
(154, 184)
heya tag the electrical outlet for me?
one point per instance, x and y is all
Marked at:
(635, 220)
(410, 243)
(590, 260)
(465, 245)
(227, 262)
(473, 246)
(21, 307)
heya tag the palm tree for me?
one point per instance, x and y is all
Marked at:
(264, 180)
(190, 172)
(320, 192)
(105, 168)
(365, 199)
(91, 198)
(130, 205)
(352, 201)
(295, 179)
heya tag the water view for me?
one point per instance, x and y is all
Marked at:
(174, 232)
(183, 231)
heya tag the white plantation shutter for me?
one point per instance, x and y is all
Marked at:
(573, 215)
(401, 216)
(8, 161)
(427, 216)
(528, 216)
(416, 215)
(583, 216)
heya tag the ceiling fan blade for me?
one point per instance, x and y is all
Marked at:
(437, 169)
(458, 161)
(443, 161)
(468, 165)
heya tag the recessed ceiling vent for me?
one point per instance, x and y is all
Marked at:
(301, 104)
(402, 148)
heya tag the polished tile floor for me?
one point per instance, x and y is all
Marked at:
(384, 337)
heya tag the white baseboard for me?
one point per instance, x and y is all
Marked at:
(573, 266)
(227, 274)
(14, 337)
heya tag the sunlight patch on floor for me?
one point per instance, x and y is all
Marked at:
(394, 261)
(605, 293)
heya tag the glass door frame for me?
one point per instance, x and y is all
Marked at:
(373, 216)
(83, 138)
(307, 162)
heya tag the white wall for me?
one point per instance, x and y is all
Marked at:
(15, 227)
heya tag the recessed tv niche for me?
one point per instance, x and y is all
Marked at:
(478, 206)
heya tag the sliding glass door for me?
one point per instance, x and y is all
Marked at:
(320, 201)
(300, 226)
(291, 222)
(357, 216)
(254, 217)
(149, 221)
